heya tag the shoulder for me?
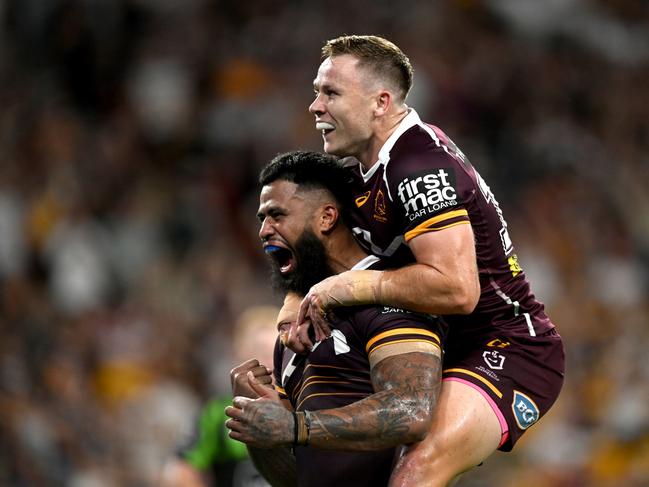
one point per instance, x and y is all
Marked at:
(416, 152)
(371, 319)
(416, 141)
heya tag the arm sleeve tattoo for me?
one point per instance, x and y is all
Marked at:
(276, 465)
(399, 412)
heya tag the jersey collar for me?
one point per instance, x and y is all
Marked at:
(409, 121)
(365, 262)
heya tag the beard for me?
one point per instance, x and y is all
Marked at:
(311, 266)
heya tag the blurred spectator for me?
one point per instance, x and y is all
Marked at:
(210, 456)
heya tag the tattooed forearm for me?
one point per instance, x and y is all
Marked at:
(399, 412)
(277, 466)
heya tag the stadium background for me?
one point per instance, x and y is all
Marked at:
(131, 132)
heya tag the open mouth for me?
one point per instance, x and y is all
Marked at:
(283, 257)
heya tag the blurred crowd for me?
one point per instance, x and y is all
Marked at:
(131, 135)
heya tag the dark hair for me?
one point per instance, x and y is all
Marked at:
(309, 170)
(383, 57)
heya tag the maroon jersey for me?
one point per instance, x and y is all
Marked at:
(423, 183)
(337, 373)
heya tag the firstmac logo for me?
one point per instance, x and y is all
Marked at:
(427, 193)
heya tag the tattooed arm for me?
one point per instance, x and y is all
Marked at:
(276, 465)
(399, 412)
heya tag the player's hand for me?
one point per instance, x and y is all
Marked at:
(313, 315)
(349, 288)
(263, 422)
(241, 383)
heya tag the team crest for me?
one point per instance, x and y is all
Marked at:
(525, 410)
(379, 207)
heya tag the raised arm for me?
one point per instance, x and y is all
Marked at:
(443, 281)
(399, 412)
(445, 278)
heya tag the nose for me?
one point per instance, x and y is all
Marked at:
(266, 231)
(317, 107)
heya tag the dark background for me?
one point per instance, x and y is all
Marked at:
(131, 133)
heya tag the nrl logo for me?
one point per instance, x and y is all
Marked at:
(494, 359)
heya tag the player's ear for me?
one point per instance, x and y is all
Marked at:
(329, 216)
(383, 102)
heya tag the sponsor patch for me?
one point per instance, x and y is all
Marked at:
(489, 373)
(498, 343)
(514, 266)
(489, 197)
(525, 410)
(362, 199)
(390, 309)
(494, 359)
(427, 192)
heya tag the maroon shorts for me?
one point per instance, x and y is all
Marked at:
(520, 376)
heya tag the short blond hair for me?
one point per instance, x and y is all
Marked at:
(381, 56)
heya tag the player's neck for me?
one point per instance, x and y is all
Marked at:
(344, 252)
(385, 128)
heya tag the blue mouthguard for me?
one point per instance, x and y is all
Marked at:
(271, 248)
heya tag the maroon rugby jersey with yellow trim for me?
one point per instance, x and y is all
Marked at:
(422, 182)
(337, 373)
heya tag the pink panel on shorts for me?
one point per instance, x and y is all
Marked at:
(501, 419)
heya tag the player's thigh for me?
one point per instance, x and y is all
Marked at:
(466, 429)
(464, 432)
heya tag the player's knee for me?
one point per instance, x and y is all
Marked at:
(424, 468)
(420, 424)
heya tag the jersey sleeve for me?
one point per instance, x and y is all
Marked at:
(382, 326)
(429, 183)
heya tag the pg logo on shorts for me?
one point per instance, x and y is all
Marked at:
(525, 411)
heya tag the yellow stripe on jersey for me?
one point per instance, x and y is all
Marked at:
(281, 390)
(425, 226)
(330, 367)
(479, 377)
(401, 331)
(418, 231)
(310, 382)
(329, 394)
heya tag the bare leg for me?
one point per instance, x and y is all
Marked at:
(465, 431)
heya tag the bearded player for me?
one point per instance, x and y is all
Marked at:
(354, 397)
